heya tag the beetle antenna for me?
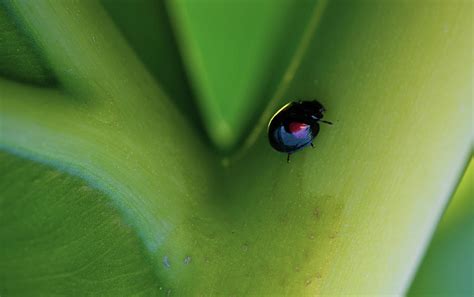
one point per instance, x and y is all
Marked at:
(327, 122)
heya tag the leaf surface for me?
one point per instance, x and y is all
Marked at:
(330, 222)
(61, 237)
(447, 268)
(236, 53)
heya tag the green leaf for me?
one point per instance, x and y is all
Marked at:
(447, 268)
(352, 216)
(61, 237)
(145, 25)
(19, 60)
(236, 53)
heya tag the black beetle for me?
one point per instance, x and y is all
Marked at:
(295, 125)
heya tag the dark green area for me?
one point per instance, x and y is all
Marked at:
(20, 60)
(61, 237)
(145, 25)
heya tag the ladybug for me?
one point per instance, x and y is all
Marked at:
(295, 125)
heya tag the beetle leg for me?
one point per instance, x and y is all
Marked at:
(288, 158)
(312, 145)
(326, 122)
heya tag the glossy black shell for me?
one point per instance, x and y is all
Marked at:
(306, 112)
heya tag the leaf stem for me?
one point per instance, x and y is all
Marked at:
(87, 53)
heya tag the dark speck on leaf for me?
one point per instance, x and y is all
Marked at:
(187, 260)
(166, 262)
(316, 213)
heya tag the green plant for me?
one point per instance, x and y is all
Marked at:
(447, 268)
(134, 201)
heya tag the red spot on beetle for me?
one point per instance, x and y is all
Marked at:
(296, 127)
